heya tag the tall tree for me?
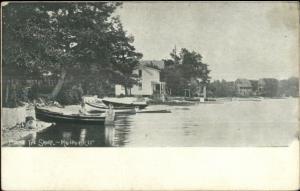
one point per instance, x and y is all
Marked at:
(191, 72)
(270, 88)
(289, 87)
(221, 88)
(125, 58)
(67, 39)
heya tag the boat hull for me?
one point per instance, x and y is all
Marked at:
(48, 116)
(101, 109)
(119, 105)
(95, 108)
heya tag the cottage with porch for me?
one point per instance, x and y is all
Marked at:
(148, 82)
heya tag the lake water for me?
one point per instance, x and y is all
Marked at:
(270, 122)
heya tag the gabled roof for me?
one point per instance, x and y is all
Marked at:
(243, 82)
(145, 67)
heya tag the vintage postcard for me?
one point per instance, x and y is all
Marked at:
(114, 89)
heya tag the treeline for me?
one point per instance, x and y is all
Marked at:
(74, 43)
(266, 87)
(221, 88)
(289, 87)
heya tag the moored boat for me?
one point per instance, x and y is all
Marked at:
(92, 107)
(45, 114)
(119, 103)
(100, 108)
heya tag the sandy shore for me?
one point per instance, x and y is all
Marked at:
(13, 133)
(16, 136)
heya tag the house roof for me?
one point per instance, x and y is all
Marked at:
(145, 67)
(243, 82)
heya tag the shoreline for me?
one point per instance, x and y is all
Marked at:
(16, 135)
(13, 129)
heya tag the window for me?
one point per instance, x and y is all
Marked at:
(140, 73)
(140, 86)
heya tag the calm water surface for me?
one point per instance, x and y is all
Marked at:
(271, 122)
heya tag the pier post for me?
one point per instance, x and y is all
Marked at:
(109, 116)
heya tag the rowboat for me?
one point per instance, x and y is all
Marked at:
(92, 107)
(118, 103)
(47, 115)
(100, 108)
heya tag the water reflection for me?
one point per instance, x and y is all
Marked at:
(82, 135)
(228, 124)
(67, 135)
(70, 135)
(122, 127)
(73, 135)
(110, 136)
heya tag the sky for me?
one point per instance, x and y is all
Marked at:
(236, 39)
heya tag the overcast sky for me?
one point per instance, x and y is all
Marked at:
(237, 40)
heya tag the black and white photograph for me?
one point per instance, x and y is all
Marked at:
(149, 74)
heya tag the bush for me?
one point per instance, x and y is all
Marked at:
(68, 97)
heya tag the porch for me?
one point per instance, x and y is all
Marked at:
(158, 87)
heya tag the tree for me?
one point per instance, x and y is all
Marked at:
(125, 58)
(68, 39)
(191, 72)
(289, 87)
(270, 88)
(174, 80)
(222, 88)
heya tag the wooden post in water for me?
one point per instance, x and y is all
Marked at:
(109, 116)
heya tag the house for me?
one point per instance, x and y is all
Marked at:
(243, 87)
(148, 82)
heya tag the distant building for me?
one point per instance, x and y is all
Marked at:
(148, 83)
(243, 87)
